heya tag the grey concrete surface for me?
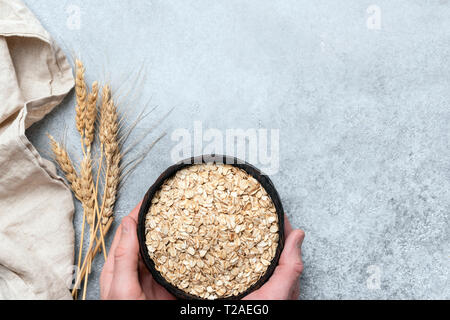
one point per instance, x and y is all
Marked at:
(363, 114)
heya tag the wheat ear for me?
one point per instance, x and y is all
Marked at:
(89, 201)
(87, 188)
(109, 130)
(91, 116)
(111, 186)
(66, 165)
(81, 97)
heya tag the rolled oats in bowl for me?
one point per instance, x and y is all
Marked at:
(211, 231)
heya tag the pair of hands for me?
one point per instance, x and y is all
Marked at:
(125, 277)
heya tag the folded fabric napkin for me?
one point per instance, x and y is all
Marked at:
(36, 207)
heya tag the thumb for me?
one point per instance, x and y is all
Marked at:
(291, 257)
(126, 257)
(284, 283)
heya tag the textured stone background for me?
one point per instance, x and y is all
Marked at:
(363, 113)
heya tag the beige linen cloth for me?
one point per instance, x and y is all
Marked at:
(36, 207)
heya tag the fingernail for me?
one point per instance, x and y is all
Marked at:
(125, 226)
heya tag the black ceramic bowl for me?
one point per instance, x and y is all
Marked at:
(251, 170)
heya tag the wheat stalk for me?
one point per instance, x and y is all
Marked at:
(91, 196)
(89, 133)
(86, 113)
(91, 252)
(86, 165)
(84, 186)
(109, 130)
